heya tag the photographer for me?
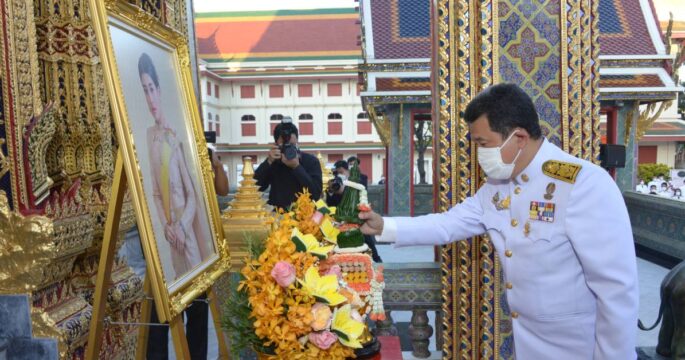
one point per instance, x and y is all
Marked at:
(352, 161)
(287, 170)
(335, 189)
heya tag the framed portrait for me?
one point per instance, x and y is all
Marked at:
(165, 158)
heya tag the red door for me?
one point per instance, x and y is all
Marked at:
(366, 166)
(646, 155)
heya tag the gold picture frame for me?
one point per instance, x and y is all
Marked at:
(165, 159)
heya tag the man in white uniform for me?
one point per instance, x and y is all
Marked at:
(560, 227)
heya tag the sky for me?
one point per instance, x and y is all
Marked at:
(255, 5)
(663, 7)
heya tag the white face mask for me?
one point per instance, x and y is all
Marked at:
(490, 160)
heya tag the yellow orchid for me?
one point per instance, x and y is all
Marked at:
(329, 231)
(348, 329)
(323, 288)
(308, 243)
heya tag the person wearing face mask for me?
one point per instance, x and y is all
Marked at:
(678, 194)
(665, 191)
(560, 227)
(642, 187)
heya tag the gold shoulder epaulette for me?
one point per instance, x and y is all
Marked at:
(561, 170)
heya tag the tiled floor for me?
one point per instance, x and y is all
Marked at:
(650, 276)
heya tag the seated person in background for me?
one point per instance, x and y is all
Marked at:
(287, 169)
(665, 191)
(642, 187)
(678, 194)
(652, 190)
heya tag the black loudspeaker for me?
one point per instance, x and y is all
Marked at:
(612, 156)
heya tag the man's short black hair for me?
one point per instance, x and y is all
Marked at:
(284, 127)
(507, 107)
(341, 164)
(354, 158)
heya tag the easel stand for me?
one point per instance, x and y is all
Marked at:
(104, 276)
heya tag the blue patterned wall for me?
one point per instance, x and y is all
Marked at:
(529, 55)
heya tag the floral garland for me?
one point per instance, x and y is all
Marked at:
(300, 311)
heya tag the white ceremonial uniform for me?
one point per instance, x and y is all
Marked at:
(570, 270)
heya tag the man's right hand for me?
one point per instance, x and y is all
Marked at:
(373, 224)
(274, 154)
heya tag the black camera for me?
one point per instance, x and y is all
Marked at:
(336, 183)
(287, 149)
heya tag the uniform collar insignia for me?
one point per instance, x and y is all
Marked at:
(560, 170)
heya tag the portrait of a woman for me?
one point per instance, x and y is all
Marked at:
(174, 192)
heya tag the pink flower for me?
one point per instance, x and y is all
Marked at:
(335, 270)
(317, 217)
(323, 340)
(284, 273)
(322, 317)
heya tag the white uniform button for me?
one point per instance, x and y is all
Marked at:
(509, 286)
(517, 190)
(514, 222)
(514, 314)
(508, 253)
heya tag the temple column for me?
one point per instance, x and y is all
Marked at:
(399, 160)
(626, 128)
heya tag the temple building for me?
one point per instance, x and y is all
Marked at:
(257, 67)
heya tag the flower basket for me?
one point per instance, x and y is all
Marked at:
(295, 302)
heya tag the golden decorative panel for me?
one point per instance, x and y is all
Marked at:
(477, 47)
(56, 164)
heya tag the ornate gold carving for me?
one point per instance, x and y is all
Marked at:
(441, 101)
(20, 93)
(26, 247)
(248, 203)
(36, 138)
(59, 313)
(4, 161)
(573, 146)
(586, 91)
(247, 216)
(485, 291)
(596, 135)
(382, 125)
